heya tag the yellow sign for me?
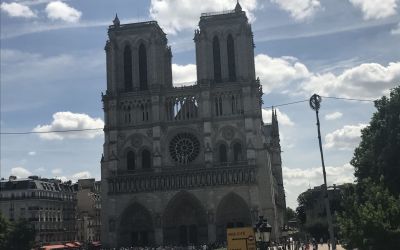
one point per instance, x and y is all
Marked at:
(241, 238)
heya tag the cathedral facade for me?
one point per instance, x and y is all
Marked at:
(182, 164)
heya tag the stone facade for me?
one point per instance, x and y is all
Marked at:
(181, 164)
(88, 210)
(48, 204)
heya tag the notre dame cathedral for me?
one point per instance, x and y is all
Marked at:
(182, 164)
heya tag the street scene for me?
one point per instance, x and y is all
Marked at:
(201, 124)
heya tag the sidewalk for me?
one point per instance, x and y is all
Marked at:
(325, 247)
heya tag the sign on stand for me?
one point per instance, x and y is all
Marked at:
(241, 238)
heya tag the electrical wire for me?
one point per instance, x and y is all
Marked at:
(92, 129)
(330, 97)
(350, 99)
(51, 131)
(284, 104)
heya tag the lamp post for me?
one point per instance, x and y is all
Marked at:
(262, 232)
(315, 104)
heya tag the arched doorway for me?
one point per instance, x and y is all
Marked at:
(232, 212)
(185, 221)
(136, 227)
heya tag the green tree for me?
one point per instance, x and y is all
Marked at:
(21, 236)
(290, 214)
(371, 218)
(18, 235)
(379, 151)
(4, 230)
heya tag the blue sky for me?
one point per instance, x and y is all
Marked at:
(53, 73)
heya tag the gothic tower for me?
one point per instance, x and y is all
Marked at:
(180, 165)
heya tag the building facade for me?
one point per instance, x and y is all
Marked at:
(48, 204)
(181, 164)
(314, 210)
(88, 210)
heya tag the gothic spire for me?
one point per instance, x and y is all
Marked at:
(274, 124)
(238, 8)
(116, 20)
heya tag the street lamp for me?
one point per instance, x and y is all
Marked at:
(262, 232)
(315, 104)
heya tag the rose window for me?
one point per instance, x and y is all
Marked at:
(184, 148)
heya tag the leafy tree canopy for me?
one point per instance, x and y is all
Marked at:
(16, 236)
(290, 214)
(371, 218)
(379, 151)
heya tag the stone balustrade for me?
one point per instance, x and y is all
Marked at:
(183, 179)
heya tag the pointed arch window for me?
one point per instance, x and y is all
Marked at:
(231, 58)
(237, 152)
(146, 159)
(142, 67)
(220, 105)
(128, 68)
(143, 112)
(223, 154)
(130, 160)
(217, 60)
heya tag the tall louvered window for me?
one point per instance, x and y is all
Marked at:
(231, 58)
(142, 67)
(217, 60)
(128, 68)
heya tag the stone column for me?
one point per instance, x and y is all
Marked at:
(212, 227)
(158, 230)
(205, 113)
(155, 112)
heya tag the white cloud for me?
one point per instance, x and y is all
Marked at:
(20, 172)
(365, 81)
(62, 178)
(346, 138)
(299, 9)
(81, 175)
(296, 180)
(183, 75)
(396, 31)
(283, 119)
(56, 171)
(17, 10)
(368, 81)
(61, 11)
(276, 73)
(32, 153)
(333, 116)
(71, 121)
(376, 9)
(186, 13)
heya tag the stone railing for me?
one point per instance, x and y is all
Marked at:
(189, 179)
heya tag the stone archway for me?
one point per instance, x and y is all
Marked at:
(232, 211)
(185, 220)
(136, 227)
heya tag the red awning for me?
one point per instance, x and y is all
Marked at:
(96, 243)
(50, 247)
(71, 245)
